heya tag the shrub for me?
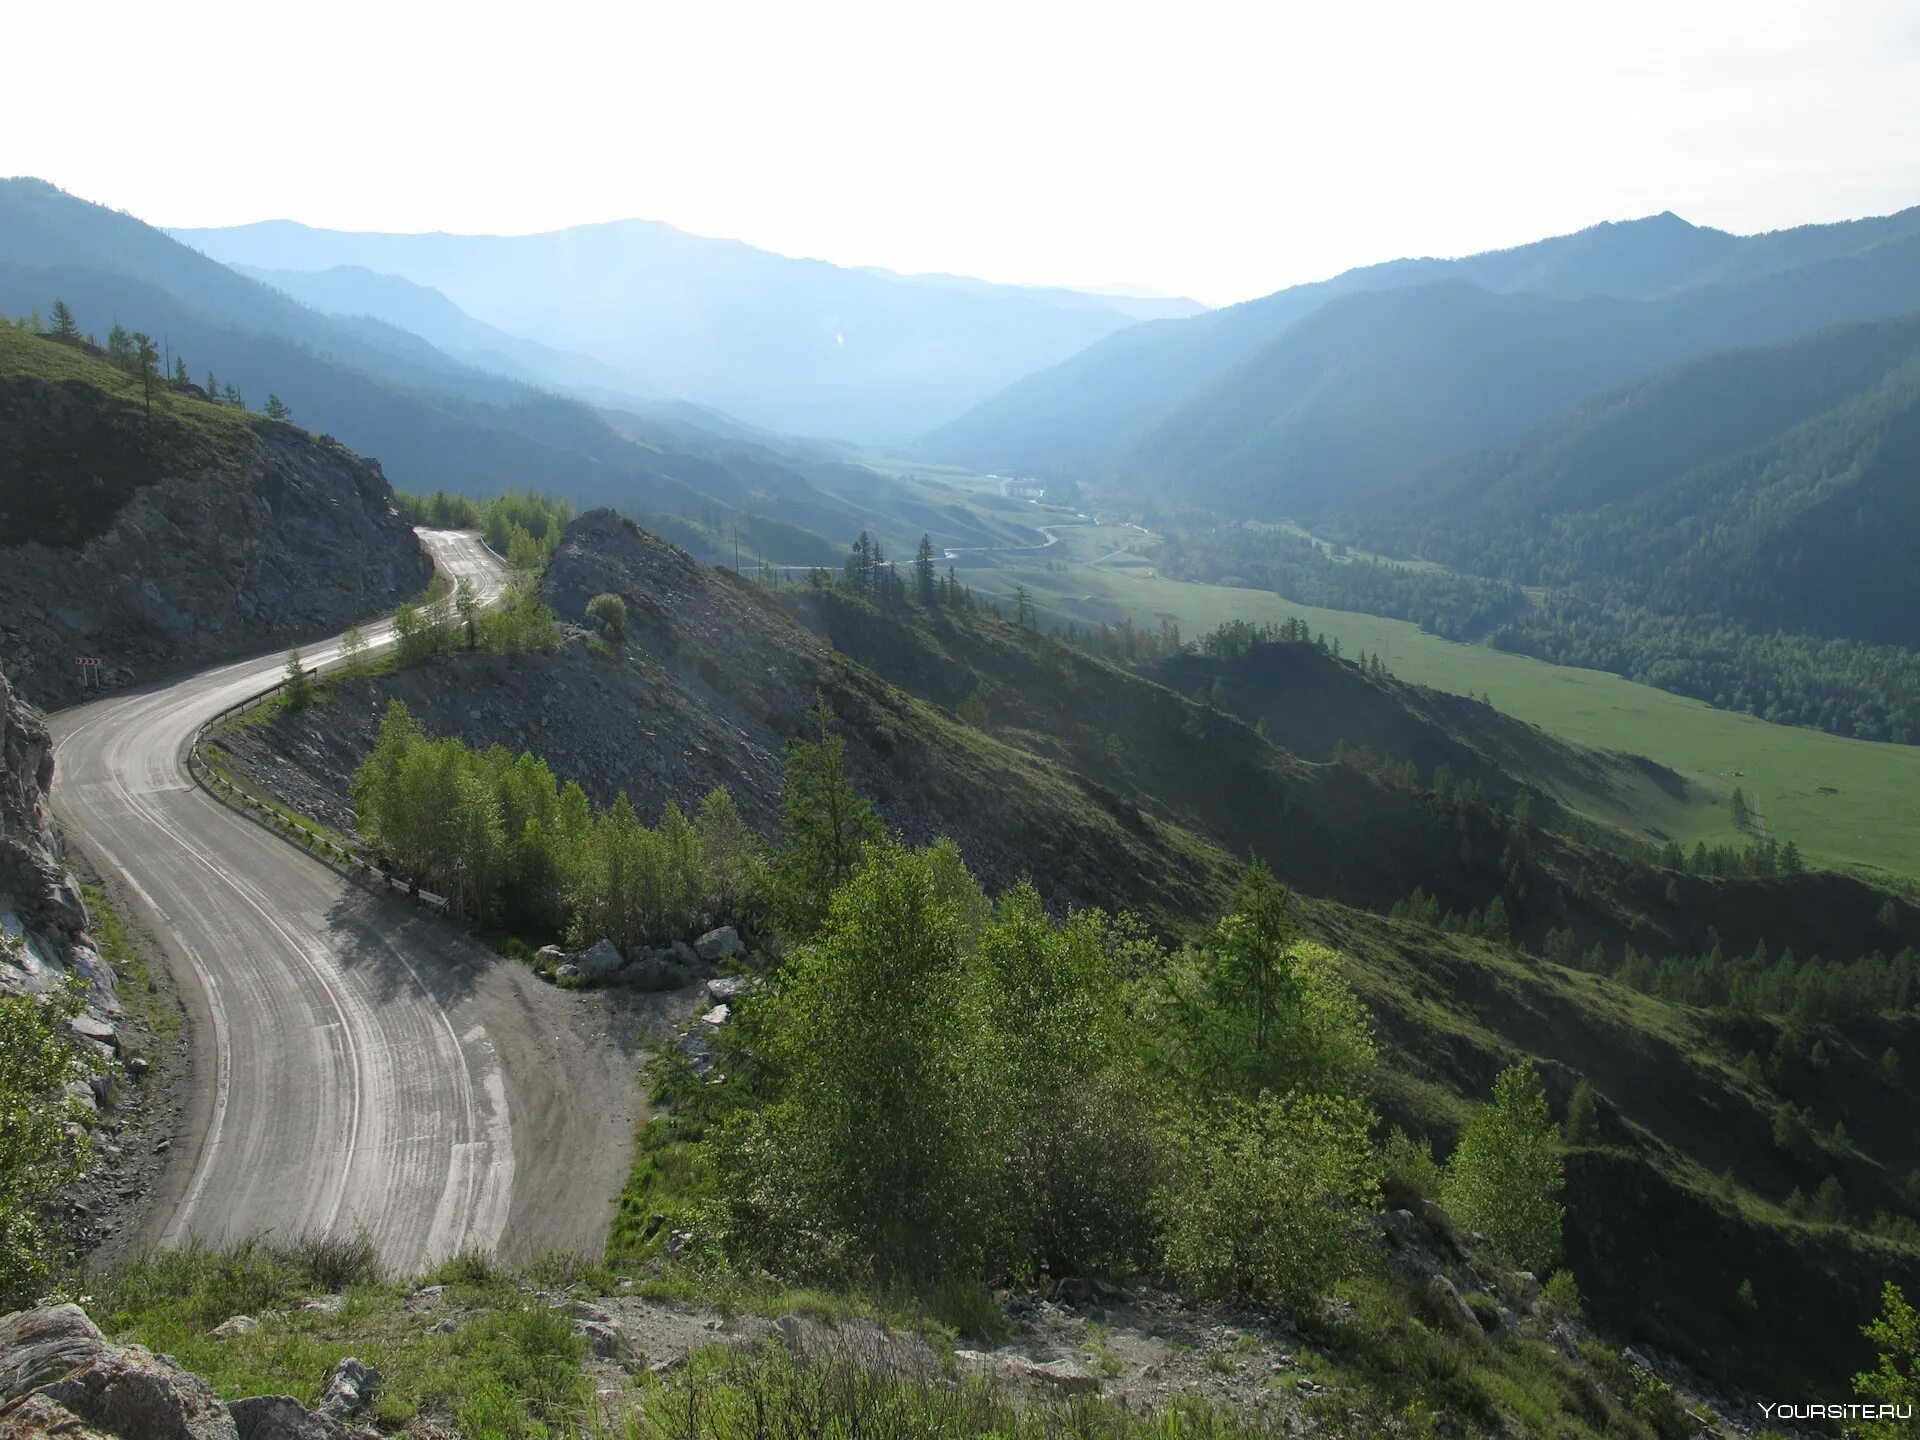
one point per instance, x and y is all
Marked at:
(1409, 1173)
(38, 1151)
(609, 611)
(1272, 1200)
(1560, 1296)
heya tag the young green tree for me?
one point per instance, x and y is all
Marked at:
(64, 330)
(1895, 1380)
(1886, 1073)
(466, 604)
(41, 1146)
(297, 689)
(146, 363)
(278, 409)
(233, 398)
(878, 1157)
(609, 612)
(1583, 1115)
(1742, 816)
(1024, 615)
(120, 348)
(825, 825)
(353, 653)
(1505, 1176)
(1257, 1009)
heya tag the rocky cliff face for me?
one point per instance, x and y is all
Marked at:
(283, 537)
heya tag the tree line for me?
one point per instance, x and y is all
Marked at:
(135, 353)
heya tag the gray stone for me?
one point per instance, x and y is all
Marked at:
(720, 944)
(281, 1417)
(130, 1391)
(1448, 1300)
(235, 1325)
(726, 989)
(599, 960)
(349, 1390)
(41, 1345)
(718, 1015)
(89, 1026)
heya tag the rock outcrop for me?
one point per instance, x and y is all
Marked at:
(277, 537)
(60, 1377)
(41, 913)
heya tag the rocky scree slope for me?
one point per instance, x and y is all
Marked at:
(191, 537)
(704, 689)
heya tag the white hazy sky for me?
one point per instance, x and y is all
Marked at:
(1216, 150)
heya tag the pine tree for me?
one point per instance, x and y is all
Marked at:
(146, 359)
(923, 573)
(1742, 817)
(278, 409)
(64, 330)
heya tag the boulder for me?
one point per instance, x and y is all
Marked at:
(235, 1325)
(41, 1345)
(349, 1390)
(1397, 1226)
(89, 1026)
(35, 1417)
(683, 953)
(718, 1015)
(1063, 1375)
(551, 957)
(1449, 1303)
(281, 1417)
(720, 944)
(128, 1392)
(599, 960)
(726, 989)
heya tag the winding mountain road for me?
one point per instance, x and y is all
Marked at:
(355, 1063)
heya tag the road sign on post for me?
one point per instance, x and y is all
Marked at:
(89, 668)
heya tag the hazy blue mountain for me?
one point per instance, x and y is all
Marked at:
(431, 420)
(1086, 415)
(799, 346)
(349, 291)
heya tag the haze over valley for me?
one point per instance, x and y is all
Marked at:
(865, 727)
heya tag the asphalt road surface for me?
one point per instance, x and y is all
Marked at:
(356, 1064)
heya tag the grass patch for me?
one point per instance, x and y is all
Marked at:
(135, 984)
(509, 1368)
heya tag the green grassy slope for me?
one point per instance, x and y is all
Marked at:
(1845, 802)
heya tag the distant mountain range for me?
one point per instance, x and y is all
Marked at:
(435, 420)
(1309, 397)
(799, 346)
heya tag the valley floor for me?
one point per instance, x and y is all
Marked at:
(1846, 803)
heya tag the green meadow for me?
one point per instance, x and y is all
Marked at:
(1846, 803)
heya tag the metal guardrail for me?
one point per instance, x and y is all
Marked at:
(355, 864)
